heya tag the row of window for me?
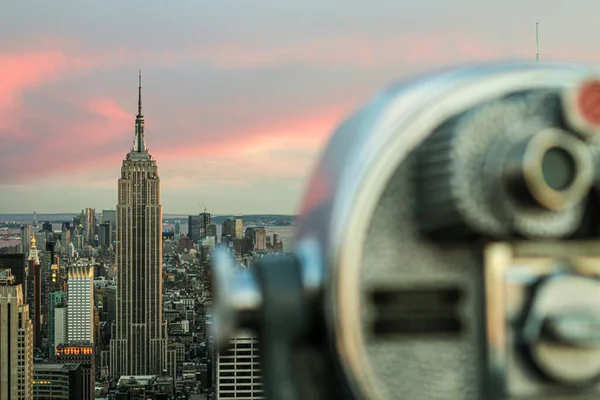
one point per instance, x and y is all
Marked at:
(237, 366)
(233, 353)
(227, 388)
(242, 395)
(253, 374)
(227, 360)
(256, 380)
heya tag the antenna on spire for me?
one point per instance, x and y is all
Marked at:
(140, 92)
(537, 44)
(138, 144)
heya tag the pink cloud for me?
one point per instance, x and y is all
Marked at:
(94, 139)
(109, 109)
(68, 145)
(19, 72)
(96, 142)
(116, 121)
(306, 131)
(99, 121)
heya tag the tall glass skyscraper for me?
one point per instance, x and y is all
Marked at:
(138, 345)
(80, 309)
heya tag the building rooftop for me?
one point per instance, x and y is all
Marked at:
(6, 277)
(137, 379)
(47, 367)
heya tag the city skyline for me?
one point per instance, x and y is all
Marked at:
(239, 100)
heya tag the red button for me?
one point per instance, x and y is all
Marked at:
(588, 102)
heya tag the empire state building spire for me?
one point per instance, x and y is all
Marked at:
(139, 145)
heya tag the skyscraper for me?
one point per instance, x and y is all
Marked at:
(56, 300)
(177, 229)
(65, 238)
(204, 224)
(26, 233)
(34, 292)
(47, 226)
(80, 304)
(82, 354)
(16, 337)
(139, 340)
(194, 227)
(238, 370)
(110, 216)
(198, 226)
(88, 218)
(239, 227)
(104, 235)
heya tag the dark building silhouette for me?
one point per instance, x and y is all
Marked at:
(47, 226)
(82, 354)
(199, 226)
(194, 226)
(16, 264)
(50, 247)
(105, 234)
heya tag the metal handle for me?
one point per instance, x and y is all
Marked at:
(238, 298)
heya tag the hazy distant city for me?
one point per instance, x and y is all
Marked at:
(283, 225)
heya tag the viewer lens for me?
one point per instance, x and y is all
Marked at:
(558, 168)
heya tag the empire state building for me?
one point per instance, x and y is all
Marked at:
(139, 340)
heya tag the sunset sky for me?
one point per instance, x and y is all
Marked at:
(239, 96)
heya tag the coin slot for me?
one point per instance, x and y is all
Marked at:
(417, 311)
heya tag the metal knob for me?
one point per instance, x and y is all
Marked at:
(580, 330)
(562, 329)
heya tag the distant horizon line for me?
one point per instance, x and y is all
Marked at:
(170, 213)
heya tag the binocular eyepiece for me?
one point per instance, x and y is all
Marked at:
(551, 170)
(448, 248)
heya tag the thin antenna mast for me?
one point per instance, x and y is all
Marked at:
(140, 92)
(537, 44)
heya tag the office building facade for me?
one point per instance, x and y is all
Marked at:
(80, 304)
(16, 341)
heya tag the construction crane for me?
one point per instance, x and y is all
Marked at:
(203, 206)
